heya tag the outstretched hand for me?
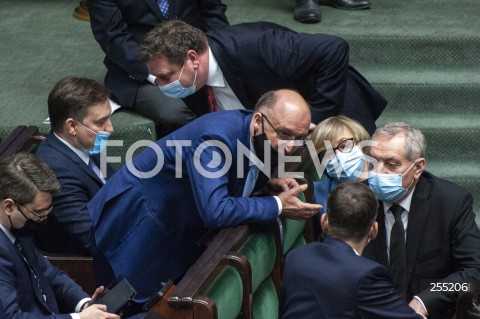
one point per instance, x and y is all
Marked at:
(294, 208)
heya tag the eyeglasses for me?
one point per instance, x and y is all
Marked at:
(282, 136)
(344, 146)
(40, 218)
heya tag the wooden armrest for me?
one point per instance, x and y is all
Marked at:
(203, 271)
(21, 139)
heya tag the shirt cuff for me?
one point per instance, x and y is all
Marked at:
(152, 79)
(423, 305)
(75, 316)
(80, 304)
(279, 203)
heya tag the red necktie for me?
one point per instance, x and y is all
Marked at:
(211, 99)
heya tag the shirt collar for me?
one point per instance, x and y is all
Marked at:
(84, 156)
(215, 75)
(8, 233)
(404, 203)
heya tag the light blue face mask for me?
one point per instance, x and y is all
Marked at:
(100, 143)
(175, 90)
(346, 166)
(388, 187)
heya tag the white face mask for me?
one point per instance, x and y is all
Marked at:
(389, 187)
(175, 89)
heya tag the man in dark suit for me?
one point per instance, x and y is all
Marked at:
(427, 231)
(241, 62)
(30, 286)
(79, 111)
(330, 279)
(149, 219)
(119, 26)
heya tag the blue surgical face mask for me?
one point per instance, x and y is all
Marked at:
(346, 166)
(100, 143)
(176, 90)
(388, 187)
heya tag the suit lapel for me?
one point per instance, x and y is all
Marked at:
(65, 150)
(152, 4)
(417, 221)
(38, 277)
(231, 74)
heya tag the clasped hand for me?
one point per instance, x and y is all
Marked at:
(288, 189)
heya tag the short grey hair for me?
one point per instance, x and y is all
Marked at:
(415, 143)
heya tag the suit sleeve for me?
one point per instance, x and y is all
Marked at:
(213, 14)
(300, 57)
(110, 30)
(465, 243)
(217, 206)
(70, 208)
(376, 298)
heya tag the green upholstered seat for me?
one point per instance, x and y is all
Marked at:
(261, 253)
(227, 293)
(265, 301)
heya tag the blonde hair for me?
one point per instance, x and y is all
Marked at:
(328, 130)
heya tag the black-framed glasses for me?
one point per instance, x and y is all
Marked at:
(283, 136)
(40, 218)
(345, 146)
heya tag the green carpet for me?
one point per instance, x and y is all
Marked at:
(422, 55)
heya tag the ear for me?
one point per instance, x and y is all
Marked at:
(69, 126)
(324, 223)
(8, 206)
(192, 55)
(257, 122)
(374, 231)
(419, 167)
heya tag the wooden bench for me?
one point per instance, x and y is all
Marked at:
(238, 275)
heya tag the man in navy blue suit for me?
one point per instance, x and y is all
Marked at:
(120, 26)
(330, 279)
(79, 111)
(241, 62)
(150, 218)
(30, 286)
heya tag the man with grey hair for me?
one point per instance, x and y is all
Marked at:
(427, 231)
(30, 286)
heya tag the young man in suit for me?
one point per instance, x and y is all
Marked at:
(241, 62)
(330, 279)
(30, 286)
(79, 111)
(427, 231)
(119, 26)
(150, 218)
